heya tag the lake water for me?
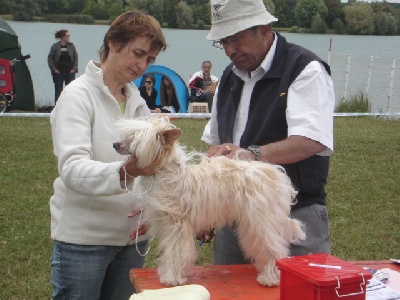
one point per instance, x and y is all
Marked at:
(188, 48)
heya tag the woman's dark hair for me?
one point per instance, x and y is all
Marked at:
(162, 78)
(60, 34)
(129, 26)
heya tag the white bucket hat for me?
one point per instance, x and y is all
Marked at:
(231, 16)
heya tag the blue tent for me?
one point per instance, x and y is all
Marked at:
(181, 89)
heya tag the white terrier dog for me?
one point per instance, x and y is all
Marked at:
(185, 197)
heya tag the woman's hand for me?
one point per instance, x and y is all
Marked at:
(142, 229)
(132, 169)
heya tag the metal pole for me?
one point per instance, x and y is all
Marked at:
(347, 77)
(371, 61)
(329, 52)
(392, 72)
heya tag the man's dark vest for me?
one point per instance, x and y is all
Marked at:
(266, 121)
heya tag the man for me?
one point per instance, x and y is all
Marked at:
(275, 100)
(202, 85)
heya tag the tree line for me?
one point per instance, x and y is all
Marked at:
(318, 16)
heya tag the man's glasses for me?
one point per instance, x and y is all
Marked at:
(231, 40)
(148, 82)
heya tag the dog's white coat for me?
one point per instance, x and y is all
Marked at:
(192, 192)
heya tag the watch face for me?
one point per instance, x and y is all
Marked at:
(256, 151)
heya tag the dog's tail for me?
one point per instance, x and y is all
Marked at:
(295, 231)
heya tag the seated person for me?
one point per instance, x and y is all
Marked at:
(168, 98)
(202, 85)
(149, 93)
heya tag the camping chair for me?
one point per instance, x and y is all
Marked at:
(7, 82)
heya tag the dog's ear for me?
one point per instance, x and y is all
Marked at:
(171, 135)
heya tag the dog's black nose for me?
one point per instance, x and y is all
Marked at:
(115, 146)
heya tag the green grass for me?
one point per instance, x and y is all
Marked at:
(356, 103)
(363, 197)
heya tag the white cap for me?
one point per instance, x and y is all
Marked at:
(231, 16)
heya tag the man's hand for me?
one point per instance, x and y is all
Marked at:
(230, 150)
(224, 149)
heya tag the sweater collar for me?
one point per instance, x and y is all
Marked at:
(95, 72)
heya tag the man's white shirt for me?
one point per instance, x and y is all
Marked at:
(310, 103)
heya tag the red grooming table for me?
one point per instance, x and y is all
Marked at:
(230, 281)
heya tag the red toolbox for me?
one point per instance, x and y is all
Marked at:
(321, 277)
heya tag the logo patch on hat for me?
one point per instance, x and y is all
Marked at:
(229, 17)
(217, 14)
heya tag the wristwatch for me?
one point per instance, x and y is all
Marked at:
(256, 150)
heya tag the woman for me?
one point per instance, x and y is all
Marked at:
(62, 61)
(149, 93)
(168, 98)
(94, 246)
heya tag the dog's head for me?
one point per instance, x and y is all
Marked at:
(151, 140)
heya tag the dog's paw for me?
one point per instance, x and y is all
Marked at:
(268, 280)
(172, 281)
